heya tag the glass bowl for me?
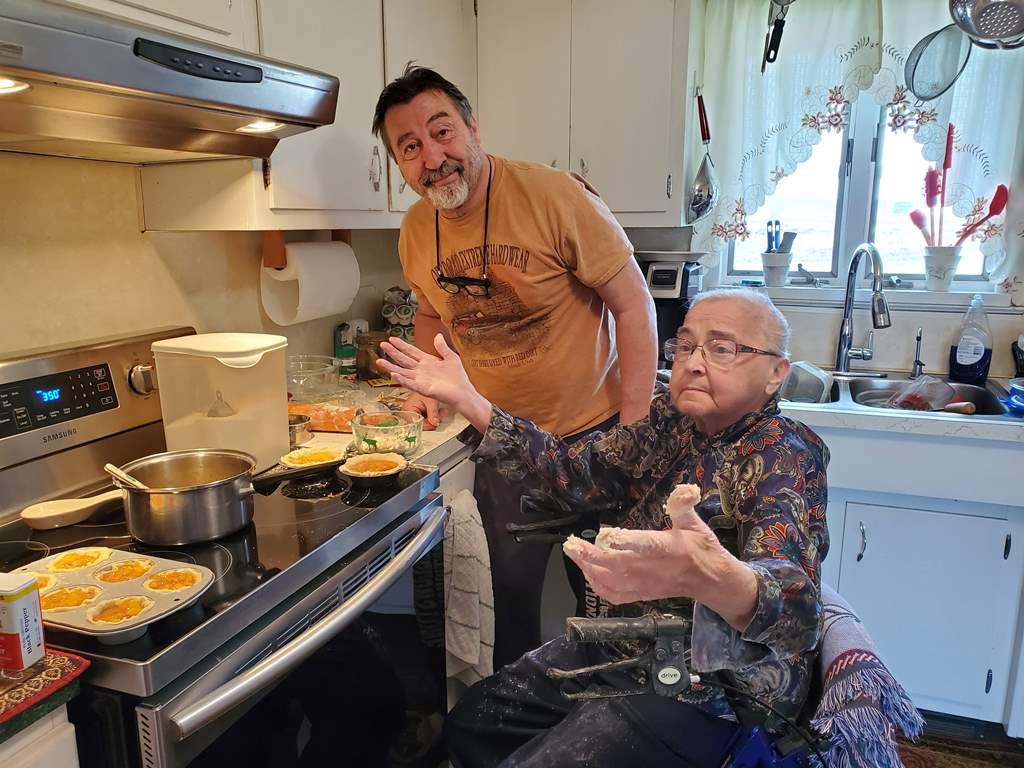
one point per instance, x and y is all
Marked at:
(311, 376)
(392, 432)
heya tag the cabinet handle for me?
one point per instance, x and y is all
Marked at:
(863, 542)
(401, 186)
(554, 163)
(584, 168)
(376, 168)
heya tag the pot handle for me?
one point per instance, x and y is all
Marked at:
(288, 657)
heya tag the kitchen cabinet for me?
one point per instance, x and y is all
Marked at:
(338, 166)
(337, 176)
(231, 23)
(441, 35)
(939, 593)
(601, 93)
(49, 742)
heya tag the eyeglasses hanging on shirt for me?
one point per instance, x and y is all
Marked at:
(474, 286)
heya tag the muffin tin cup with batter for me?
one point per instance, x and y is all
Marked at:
(76, 619)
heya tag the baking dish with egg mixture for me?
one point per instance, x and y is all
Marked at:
(111, 594)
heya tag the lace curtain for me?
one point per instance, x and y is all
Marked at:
(832, 54)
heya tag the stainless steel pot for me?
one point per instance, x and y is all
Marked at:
(192, 496)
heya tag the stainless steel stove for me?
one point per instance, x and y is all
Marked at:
(316, 559)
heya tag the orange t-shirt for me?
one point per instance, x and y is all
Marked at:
(542, 346)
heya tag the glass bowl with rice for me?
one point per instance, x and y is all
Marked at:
(390, 432)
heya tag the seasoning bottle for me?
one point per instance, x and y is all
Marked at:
(971, 355)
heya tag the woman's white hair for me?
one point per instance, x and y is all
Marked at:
(776, 326)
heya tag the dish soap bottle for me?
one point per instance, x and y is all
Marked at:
(971, 356)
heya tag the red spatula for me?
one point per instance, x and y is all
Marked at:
(997, 206)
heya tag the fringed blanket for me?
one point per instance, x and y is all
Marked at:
(861, 703)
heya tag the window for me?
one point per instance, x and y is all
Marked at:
(806, 202)
(859, 185)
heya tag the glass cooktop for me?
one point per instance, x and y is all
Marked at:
(298, 531)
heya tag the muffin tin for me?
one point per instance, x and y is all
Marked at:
(78, 619)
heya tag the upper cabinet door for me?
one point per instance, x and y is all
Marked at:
(225, 22)
(523, 52)
(339, 166)
(440, 34)
(621, 100)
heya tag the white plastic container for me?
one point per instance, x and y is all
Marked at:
(225, 390)
(21, 622)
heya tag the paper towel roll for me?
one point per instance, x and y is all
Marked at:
(321, 279)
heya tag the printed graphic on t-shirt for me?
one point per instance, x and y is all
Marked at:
(496, 330)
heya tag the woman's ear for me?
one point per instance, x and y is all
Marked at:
(779, 373)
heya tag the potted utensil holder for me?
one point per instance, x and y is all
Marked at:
(776, 267)
(940, 263)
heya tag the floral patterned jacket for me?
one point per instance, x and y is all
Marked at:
(763, 493)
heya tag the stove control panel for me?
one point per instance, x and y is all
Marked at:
(43, 401)
(64, 397)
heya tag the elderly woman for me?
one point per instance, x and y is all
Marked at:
(740, 560)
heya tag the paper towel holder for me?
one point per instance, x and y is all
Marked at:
(273, 246)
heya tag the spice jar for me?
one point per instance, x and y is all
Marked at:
(368, 353)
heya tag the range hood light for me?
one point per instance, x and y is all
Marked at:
(260, 126)
(8, 87)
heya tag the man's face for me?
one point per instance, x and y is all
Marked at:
(717, 397)
(437, 152)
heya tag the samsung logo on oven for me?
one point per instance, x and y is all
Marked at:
(71, 432)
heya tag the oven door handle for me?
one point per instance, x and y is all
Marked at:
(285, 659)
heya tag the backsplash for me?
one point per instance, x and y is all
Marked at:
(75, 265)
(814, 333)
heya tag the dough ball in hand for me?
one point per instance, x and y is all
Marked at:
(571, 546)
(682, 500)
(610, 538)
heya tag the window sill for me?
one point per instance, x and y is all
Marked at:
(923, 301)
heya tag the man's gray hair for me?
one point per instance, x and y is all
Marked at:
(776, 325)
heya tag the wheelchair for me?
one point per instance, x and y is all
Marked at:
(664, 662)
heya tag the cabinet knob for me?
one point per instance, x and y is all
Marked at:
(142, 379)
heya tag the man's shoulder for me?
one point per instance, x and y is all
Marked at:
(538, 178)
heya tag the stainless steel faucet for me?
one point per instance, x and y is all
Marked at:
(845, 351)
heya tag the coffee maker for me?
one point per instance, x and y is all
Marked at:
(673, 279)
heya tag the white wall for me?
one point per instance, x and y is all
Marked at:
(75, 265)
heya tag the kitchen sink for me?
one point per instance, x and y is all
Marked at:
(876, 392)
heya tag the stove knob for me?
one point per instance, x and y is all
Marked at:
(142, 379)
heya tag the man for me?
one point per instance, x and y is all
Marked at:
(526, 272)
(743, 566)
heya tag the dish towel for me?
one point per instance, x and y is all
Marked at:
(861, 703)
(469, 594)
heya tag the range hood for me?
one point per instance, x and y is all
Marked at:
(105, 89)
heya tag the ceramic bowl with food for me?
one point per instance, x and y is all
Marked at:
(387, 432)
(373, 469)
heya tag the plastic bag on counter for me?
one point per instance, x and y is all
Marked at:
(925, 393)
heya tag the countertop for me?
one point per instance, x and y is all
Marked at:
(437, 447)
(838, 416)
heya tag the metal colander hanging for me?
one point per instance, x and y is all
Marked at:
(990, 23)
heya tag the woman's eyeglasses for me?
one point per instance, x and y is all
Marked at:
(721, 353)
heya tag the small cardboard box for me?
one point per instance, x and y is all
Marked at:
(21, 621)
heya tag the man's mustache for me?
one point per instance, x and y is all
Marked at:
(448, 166)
